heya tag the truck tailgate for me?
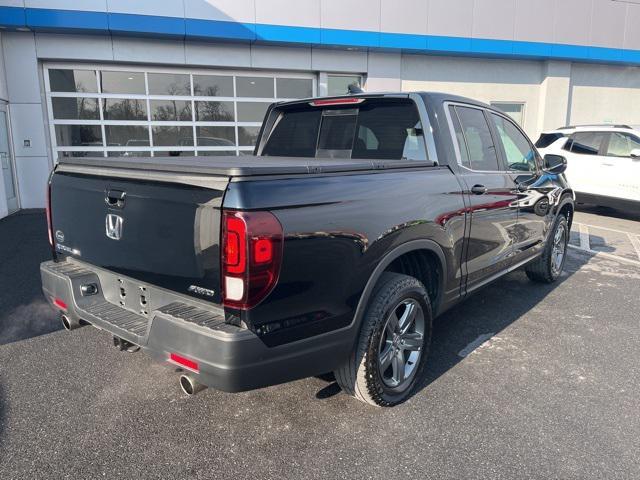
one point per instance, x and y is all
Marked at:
(163, 233)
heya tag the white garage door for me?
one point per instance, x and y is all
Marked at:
(124, 111)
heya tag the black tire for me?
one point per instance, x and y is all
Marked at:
(543, 269)
(361, 375)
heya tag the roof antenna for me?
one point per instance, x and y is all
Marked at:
(354, 88)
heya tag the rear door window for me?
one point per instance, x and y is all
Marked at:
(477, 135)
(387, 129)
(586, 143)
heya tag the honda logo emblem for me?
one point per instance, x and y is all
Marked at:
(113, 226)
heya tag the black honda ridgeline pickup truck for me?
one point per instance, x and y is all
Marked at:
(357, 221)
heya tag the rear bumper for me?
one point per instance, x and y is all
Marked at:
(230, 358)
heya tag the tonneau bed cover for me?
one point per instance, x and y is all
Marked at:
(241, 166)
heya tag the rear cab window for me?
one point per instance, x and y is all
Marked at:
(376, 128)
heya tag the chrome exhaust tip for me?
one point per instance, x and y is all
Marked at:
(69, 324)
(189, 386)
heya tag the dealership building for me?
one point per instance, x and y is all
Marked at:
(118, 78)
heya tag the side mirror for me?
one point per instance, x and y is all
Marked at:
(555, 164)
(635, 153)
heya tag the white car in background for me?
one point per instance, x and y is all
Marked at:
(603, 162)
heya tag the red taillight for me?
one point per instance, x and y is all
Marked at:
(336, 101)
(251, 256)
(48, 213)
(184, 362)
(60, 304)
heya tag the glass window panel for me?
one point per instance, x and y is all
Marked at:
(125, 109)
(390, 130)
(251, 111)
(621, 145)
(62, 80)
(295, 135)
(174, 153)
(517, 149)
(169, 84)
(214, 112)
(127, 135)
(122, 82)
(260, 87)
(587, 143)
(462, 145)
(216, 153)
(78, 135)
(212, 86)
(247, 136)
(75, 108)
(294, 87)
(171, 110)
(172, 136)
(67, 154)
(216, 136)
(339, 84)
(482, 151)
(132, 153)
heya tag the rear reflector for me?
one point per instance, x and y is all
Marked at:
(184, 362)
(336, 101)
(60, 304)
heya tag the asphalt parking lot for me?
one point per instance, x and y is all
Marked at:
(524, 381)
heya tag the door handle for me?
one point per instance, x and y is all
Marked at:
(479, 189)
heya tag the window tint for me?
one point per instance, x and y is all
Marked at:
(79, 135)
(254, 87)
(73, 80)
(124, 109)
(586, 143)
(295, 134)
(336, 133)
(396, 128)
(517, 149)
(339, 84)
(122, 82)
(547, 139)
(79, 108)
(462, 146)
(212, 86)
(376, 129)
(170, 110)
(251, 111)
(169, 84)
(621, 144)
(294, 87)
(482, 151)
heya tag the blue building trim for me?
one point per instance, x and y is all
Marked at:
(74, 21)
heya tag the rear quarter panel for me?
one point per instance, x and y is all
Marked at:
(337, 229)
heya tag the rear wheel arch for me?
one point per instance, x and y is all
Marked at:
(411, 247)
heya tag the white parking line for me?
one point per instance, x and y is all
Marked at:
(635, 242)
(475, 344)
(605, 255)
(584, 236)
(603, 228)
